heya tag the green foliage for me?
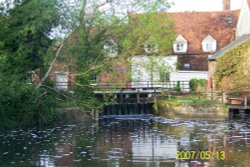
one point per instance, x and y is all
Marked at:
(22, 105)
(148, 29)
(177, 87)
(24, 44)
(231, 72)
(189, 100)
(95, 25)
(25, 35)
(197, 83)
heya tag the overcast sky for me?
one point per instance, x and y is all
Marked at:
(201, 5)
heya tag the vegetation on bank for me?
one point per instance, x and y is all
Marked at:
(24, 46)
(198, 85)
(191, 105)
(197, 96)
(189, 99)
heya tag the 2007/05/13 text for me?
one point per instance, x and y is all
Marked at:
(202, 155)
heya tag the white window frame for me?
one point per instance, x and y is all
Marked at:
(62, 85)
(94, 79)
(31, 76)
(209, 44)
(180, 45)
(151, 48)
(110, 48)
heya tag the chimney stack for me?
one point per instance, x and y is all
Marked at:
(226, 5)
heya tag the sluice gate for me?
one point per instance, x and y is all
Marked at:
(128, 109)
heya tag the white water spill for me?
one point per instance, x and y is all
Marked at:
(134, 140)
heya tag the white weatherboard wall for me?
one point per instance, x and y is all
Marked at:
(141, 75)
(186, 76)
(243, 26)
(140, 68)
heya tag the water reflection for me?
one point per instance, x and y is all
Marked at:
(131, 141)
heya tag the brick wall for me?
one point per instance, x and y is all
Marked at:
(211, 75)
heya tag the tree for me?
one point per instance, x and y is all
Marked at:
(24, 43)
(99, 21)
(26, 37)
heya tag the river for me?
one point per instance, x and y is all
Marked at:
(123, 141)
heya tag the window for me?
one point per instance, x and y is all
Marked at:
(93, 79)
(61, 81)
(33, 76)
(30, 76)
(186, 65)
(180, 45)
(110, 48)
(209, 44)
(165, 77)
(151, 48)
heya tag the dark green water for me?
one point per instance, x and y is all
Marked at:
(140, 141)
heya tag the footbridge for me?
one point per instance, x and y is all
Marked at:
(138, 92)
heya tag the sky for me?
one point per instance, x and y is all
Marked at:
(201, 5)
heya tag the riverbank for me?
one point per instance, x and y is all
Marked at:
(74, 114)
(190, 107)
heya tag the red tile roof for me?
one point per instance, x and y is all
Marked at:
(195, 26)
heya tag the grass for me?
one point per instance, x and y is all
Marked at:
(189, 100)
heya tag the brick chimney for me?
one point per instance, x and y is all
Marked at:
(226, 4)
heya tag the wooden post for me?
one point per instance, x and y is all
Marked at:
(245, 102)
(95, 114)
(121, 96)
(182, 88)
(104, 95)
(230, 114)
(223, 98)
(138, 96)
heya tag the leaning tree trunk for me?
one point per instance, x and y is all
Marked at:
(51, 66)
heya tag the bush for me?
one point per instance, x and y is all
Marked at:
(177, 87)
(197, 84)
(22, 105)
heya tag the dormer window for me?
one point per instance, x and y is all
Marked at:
(180, 45)
(151, 48)
(209, 44)
(111, 48)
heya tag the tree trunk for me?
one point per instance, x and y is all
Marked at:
(51, 66)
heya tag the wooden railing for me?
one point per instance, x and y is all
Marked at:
(183, 85)
(232, 99)
(237, 99)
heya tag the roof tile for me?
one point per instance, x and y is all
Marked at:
(195, 26)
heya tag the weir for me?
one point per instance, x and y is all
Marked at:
(128, 109)
(234, 113)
